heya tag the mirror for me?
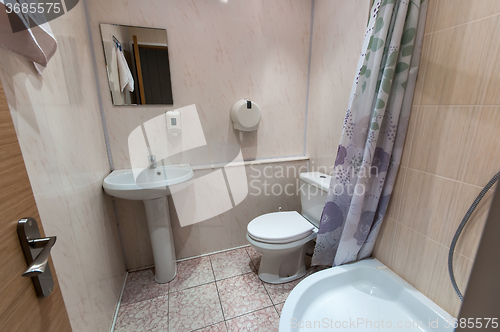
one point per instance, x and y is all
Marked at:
(137, 65)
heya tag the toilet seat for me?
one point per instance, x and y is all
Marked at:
(280, 227)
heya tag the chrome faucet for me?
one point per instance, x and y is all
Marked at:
(152, 161)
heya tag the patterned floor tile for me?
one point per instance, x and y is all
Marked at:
(231, 263)
(255, 256)
(141, 285)
(220, 327)
(194, 308)
(265, 320)
(148, 315)
(191, 301)
(191, 273)
(279, 292)
(279, 308)
(242, 294)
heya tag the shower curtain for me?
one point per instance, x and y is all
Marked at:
(373, 134)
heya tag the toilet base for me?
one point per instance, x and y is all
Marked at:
(282, 263)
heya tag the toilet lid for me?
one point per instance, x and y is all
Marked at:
(279, 227)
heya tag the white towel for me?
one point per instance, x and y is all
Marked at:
(126, 78)
(113, 75)
(36, 44)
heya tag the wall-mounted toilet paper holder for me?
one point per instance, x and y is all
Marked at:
(246, 115)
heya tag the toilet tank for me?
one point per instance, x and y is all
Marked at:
(313, 190)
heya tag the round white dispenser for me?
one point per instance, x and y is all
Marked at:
(246, 115)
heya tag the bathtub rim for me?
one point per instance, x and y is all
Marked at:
(299, 290)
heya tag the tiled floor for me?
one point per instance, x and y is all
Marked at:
(220, 292)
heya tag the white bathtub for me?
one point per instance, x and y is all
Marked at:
(363, 296)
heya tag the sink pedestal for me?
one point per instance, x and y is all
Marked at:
(152, 187)
(162, 241)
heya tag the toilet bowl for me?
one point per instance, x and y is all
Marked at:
(283, 251)
(283, 237)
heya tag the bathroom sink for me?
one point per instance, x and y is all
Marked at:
(152, 185)
(145, 184)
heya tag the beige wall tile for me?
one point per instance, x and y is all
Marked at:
(408, 246)
(434, 282)
(482, 146)
(431, 15)
(405, 158)
(428, 204)
(450, 13)
(448, 144)
(439, 139)
(395, 203)
(383, 250)
(423, 263)
(424, 61)
(454, 61)
(334, 57)
(487, 85)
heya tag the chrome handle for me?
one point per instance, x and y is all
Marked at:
(36, 251)
(38, 265)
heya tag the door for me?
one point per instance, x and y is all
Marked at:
(20, 308)
(156, 74)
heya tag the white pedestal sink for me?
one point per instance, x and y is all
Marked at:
(152, 187)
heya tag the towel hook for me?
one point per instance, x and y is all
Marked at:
(117, 42)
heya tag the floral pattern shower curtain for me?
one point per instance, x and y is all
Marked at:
(373, 134)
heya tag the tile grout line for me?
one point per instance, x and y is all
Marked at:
(212, 253)
(217, 289)
(250, 312)
(430, 14)
(444, 177)
(279, 315)
(270, 298)
(118, 305)
(422, 64)
(98, 85)
(191, 287)
(440, 244)
(225, 319)
(189, 258)
(251, 261)
(263, 284)
(276, 309)
(399, 207)
(207, 283)
(204, 327)
(461, 24)
(309, 60)
(168, 306)
(272, 302)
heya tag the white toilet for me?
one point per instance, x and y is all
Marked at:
(283, 237)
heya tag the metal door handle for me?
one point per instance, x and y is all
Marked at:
(38, 265)
(36, 251)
